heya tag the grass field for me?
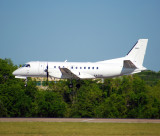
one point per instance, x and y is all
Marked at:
(78, 129)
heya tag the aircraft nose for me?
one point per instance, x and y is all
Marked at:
(15, 73)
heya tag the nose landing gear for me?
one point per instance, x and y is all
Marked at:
(78, 86)
(26, 82)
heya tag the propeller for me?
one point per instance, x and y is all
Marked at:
(46, 70)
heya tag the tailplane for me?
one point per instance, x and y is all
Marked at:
(137, 53)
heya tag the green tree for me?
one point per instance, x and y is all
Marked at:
(14, 99)
(88, 98)
(113, 107)
(49, 104)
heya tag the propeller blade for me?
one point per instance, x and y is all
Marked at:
(47, 76)
(47, 73)
(46, 70)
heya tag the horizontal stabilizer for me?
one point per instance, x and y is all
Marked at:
(128, 64)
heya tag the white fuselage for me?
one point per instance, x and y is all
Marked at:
(130, 64)
(82, 70)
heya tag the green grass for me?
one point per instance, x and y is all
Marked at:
(78, 129)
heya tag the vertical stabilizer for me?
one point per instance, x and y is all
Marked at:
(137, 53)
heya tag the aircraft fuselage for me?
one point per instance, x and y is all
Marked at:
(130, 64)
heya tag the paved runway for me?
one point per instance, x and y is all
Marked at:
(89, 120)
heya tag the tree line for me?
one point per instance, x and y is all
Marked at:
(122, 97)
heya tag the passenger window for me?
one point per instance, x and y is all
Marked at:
(80, 67)
(72, 67)
(92, 67)
(84, 67)
(88, 67)
(76, 67)
(54, 66)
(97, 67)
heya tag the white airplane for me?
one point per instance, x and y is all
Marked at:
(130, 64)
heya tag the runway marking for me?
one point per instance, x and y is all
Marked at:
(87, 120)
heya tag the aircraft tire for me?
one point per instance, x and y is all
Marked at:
(70, 85)
(78, 86)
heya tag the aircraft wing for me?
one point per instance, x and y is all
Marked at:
(128, 64)
(67, 73)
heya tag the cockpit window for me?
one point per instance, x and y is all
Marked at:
(26, 65)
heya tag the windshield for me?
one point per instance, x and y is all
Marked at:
(26, 65)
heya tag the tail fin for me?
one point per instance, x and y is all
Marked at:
(136, 54)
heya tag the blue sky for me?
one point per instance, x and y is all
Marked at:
(78, 30)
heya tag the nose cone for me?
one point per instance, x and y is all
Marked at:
(18, 72)
(15, 73)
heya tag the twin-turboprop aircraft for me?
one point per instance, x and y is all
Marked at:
(130, 64)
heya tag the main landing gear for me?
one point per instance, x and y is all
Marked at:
(70, 85)
(78, 85)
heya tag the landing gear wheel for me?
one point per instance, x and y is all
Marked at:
(70, 85)
(78, 86)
